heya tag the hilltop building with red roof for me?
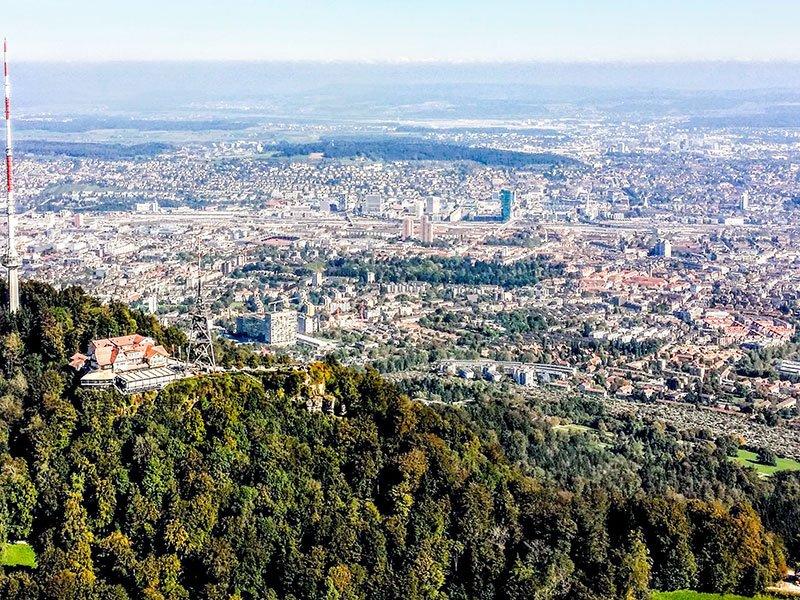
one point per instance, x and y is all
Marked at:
(131, 362)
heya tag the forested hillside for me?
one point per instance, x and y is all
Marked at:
(226, 486)
(437, 270)
(401, 148)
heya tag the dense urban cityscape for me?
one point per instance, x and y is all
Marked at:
(665, 256)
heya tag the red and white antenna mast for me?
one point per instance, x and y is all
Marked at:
(11, 259)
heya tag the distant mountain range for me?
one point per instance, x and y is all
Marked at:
(369, 91)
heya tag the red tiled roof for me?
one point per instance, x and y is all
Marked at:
(77, 361)
(151, 351)
(107, 350)
(104, 355)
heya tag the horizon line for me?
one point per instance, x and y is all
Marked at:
(423, 62)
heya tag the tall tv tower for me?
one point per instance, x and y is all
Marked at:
(11, 259)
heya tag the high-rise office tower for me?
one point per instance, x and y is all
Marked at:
(408, 228)
(664, 248)
(507, 198)
(280, 328)
(433, 205)
(427, 230)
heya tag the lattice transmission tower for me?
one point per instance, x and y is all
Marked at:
(201, 340)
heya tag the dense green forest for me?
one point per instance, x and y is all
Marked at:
(99, 150)
(226, 486)
(457, 270)
(390, 149)
(85, 123)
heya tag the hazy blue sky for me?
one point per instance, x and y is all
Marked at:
(380, 30)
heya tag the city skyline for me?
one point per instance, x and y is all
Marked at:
(449, 31)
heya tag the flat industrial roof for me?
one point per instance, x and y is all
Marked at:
(97, 376)
(145, 374)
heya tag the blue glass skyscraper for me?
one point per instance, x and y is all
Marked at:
(506, 204)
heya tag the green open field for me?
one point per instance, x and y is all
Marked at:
(17, 555)
(698, 596)
(749, 459)
(601, 439)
